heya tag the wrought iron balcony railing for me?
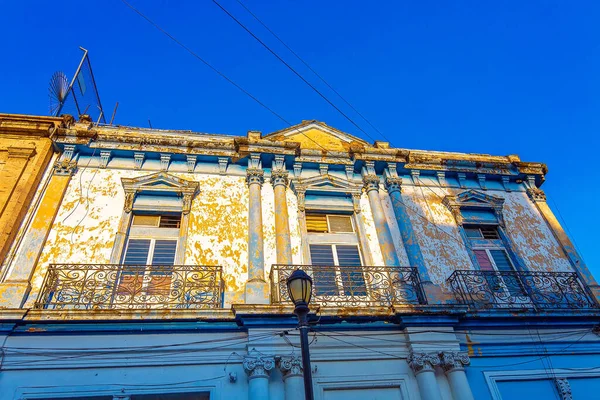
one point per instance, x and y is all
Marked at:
(114, 286)
(349, 286)
(521, 290)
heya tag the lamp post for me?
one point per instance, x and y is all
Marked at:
(299, 286)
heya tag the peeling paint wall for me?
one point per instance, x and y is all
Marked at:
(441, 244)
(534, 241)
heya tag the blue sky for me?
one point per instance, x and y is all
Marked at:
(488, 77)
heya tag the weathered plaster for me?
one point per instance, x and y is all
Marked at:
(367, 217)
(534, 240)
(394, 229)
(441, 244)
(218, 231)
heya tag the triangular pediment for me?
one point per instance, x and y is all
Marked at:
(159, 182)
(473, 198)
(316, 135)
(326, 184)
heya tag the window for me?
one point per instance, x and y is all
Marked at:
(335, 255)
(482, 232)
(150, 254)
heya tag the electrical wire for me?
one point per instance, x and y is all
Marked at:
(229, 80)
(292, 69)
(311, 69)
(139, 356)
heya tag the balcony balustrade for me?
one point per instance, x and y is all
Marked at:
(352, 286)
(521, 290)
(114, 286)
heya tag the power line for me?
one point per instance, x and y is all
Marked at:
(292, 69)
(222, 75)
(312, 69)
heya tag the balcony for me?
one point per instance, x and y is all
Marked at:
(353, 286)
(113, 286)
(521, 290)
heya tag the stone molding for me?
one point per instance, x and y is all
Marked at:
(423, 362)
(257, 366)
(255, 175)
(451, 361)
(21, 152)
(290, 366)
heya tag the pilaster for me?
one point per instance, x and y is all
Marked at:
(257, 289)
(293, 378)
(453, 363)
(17, 285)
(258, 368)
(538, 197)
(423, 366)
(386, 242)
(279, 180)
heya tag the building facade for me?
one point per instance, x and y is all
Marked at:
(152, 265)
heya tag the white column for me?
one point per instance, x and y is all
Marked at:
(258, 369)
(423, 365)
(453, 364)
(293, 380)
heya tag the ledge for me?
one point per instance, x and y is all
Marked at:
(128, 315)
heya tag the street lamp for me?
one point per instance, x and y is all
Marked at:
(299, 286)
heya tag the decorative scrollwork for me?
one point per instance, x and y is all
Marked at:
(114, 286)
(257, 366)
(452, 361)
(421, 362)
(520, 290)
(290, 366)
(354, 286)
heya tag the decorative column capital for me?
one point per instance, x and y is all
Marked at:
(279, 177)
(290, 366)
(370, 182)
(393, 184)
(421, 362)
(564, 388)
(65, 167)
(451, 361)
(187, 203)
(257, 366)
(255, 175)
(536, 194)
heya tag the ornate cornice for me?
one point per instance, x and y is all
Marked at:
(421, 362)
(536, 194)
(255, 175)
(290, 366)
(370, 182)
(257, 366)
(451, 361)
(279, 177)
